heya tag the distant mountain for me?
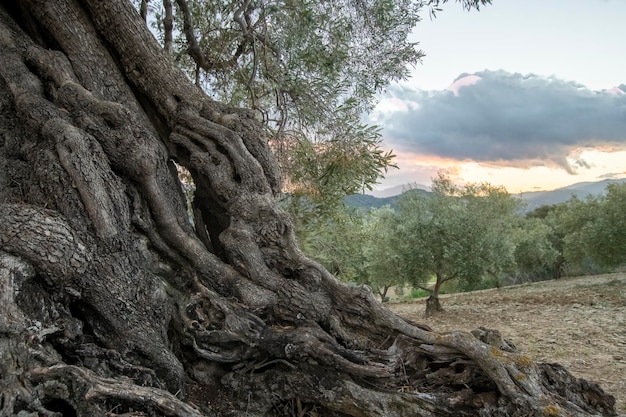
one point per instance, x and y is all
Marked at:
(397, 190)
(560, 195)
(367, 202)
(533, 199)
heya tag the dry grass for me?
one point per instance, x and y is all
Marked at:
(577, 322)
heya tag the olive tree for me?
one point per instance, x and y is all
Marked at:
(113, 303)
(385, 266)
(337, 240)
(607, 235)
(459, 233)
(358, 248)
(595, 229)
(535, 254)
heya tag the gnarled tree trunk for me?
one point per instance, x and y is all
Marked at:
(113, 303)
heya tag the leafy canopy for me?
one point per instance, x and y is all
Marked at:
(595, 228)
(460, 233)
(358, 247)
(535, 254)
(309, 69)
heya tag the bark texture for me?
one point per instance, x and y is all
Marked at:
(114, 303)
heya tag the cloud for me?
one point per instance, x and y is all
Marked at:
(613, 175)
(463, 81)
(418, 168)
(506, 119)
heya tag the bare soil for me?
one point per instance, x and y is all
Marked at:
(577, 322)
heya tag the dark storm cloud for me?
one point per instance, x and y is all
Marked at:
(507, 117)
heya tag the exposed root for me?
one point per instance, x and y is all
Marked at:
(95, 389)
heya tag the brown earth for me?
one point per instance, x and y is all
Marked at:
(578, 322)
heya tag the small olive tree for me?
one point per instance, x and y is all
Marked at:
(357, 247)
(460, 233)
(385, 267)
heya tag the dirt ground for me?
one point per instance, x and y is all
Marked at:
(577, 322)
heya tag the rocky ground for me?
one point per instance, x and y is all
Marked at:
(578, 322)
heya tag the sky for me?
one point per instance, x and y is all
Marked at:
(529, 94)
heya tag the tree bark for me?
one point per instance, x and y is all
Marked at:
(114, 303)
(433, 305)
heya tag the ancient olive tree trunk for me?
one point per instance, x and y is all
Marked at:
(113, 303)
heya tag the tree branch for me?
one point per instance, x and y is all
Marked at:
(143, 10)
(193, 48)
(168, 26)
(239, 18)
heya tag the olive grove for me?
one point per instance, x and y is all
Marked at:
(113, 303)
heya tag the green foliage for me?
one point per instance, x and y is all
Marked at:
(308, 69)
(596, 229)
(535, 253)
(356, 248)
(335, 242)
(385, 266)
(325, 173)
(552, 217)
(419, 293)
(589, 236)
(484, 283)
(606, 239)
(460, 233)
(468, 238)
(467, 5)
(575, 220)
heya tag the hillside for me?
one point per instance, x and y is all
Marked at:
(577, 322)
(582, 189)
(533, 199)
(365, 201)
